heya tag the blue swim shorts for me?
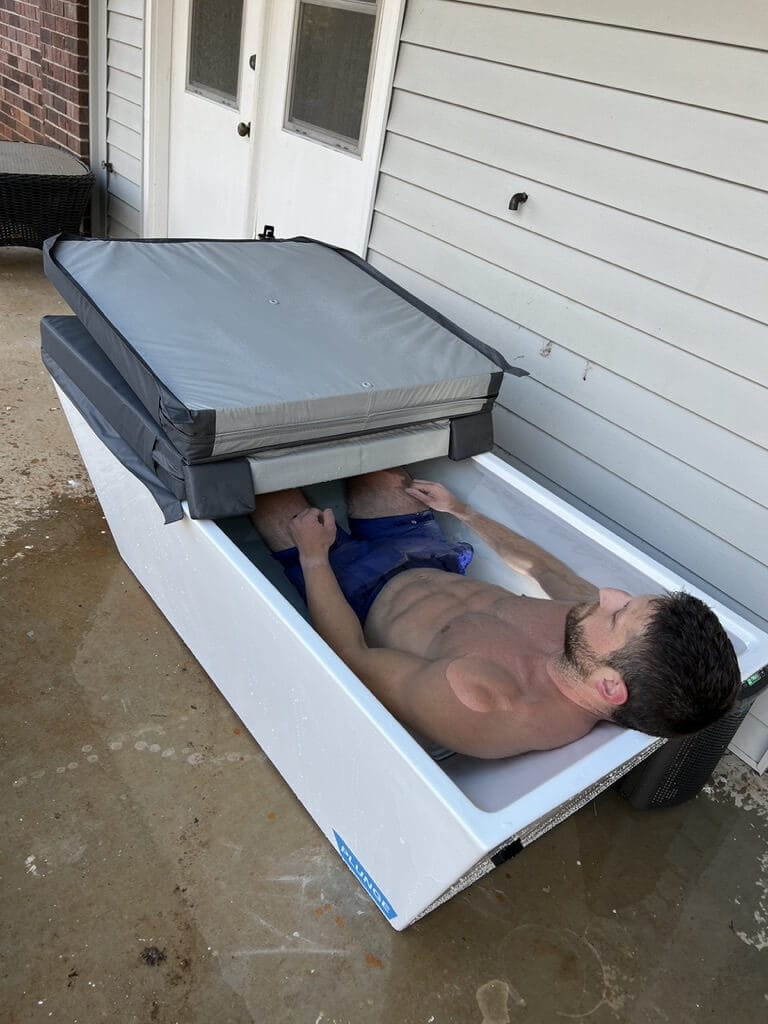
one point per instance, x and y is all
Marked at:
(376, 550)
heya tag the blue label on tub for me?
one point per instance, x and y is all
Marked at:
(364, 878)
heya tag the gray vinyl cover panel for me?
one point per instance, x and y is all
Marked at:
(239, 346)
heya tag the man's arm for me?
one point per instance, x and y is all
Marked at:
(458, 703)
(553, 576)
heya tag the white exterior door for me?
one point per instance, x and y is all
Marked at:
(212, 89)
(324, 92)
(310, 80)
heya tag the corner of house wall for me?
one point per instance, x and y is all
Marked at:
(44, 67)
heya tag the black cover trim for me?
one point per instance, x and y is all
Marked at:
(65, 339)
(168, 503)
(470, 435)
(219, 489)
(112, 410)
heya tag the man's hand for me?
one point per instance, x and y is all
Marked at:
(313, 532)
(437, 497)
(525, 557)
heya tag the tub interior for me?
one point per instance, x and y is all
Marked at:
(490, 785)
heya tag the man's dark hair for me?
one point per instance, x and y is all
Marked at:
(681, 673)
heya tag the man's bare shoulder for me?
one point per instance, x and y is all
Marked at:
(507, 718)
(538, 725)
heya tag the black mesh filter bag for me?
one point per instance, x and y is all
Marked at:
(679, 770)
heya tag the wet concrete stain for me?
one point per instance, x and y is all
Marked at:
(493, 1000)
(152, 956)
(39, 459)
(738, 785)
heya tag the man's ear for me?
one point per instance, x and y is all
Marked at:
(610, 686)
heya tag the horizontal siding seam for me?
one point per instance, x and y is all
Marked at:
(133, 156)
(547, 340)
(628, 483)
(586, 142)
(611, 24)
(124, 202)
(741, 469)
(587, 81)
(129, 46)
(129, 74)
(571, 298)
(111, 119)
(128, 99)
(123, 152)
(115, 150)
(136, 51)
(759, 506)
(578, 195)
(555, 343)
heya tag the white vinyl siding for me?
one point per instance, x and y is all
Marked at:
(124, 111)
(633, 284)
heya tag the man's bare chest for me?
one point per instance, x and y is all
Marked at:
(494, 637)
(437, 615)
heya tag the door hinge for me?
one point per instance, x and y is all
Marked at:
(267, 234)
(107, 165)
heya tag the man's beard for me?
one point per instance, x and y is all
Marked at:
(578, 658)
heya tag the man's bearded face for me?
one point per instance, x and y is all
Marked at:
(578, 656)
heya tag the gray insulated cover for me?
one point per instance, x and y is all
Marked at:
(120, 421)
(239, 346)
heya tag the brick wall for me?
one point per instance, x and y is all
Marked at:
(44, 73)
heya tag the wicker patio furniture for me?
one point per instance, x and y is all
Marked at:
(43, 190)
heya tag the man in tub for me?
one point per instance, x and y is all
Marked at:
(471, 666)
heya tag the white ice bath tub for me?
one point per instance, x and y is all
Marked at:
(413, 831)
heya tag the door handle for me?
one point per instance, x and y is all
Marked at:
(244, 129)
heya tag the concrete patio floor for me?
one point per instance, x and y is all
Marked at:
(155, 868)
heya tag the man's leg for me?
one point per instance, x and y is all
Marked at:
(274, 512)
(375, 495)
(272, 517)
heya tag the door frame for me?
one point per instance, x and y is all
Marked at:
(158, 39)
(97, 115)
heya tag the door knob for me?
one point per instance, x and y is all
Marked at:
(244, 129)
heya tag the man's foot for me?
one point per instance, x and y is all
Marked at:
(375, 495)
(274, 512)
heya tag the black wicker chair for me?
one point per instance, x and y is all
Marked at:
(42, 191)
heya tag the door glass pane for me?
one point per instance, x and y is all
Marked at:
(331, 60)
(214, 48)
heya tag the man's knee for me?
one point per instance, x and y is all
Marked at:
(396, 479)
(273, 513)
(382, 493)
